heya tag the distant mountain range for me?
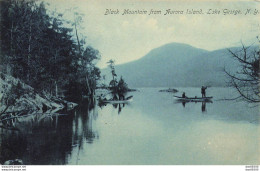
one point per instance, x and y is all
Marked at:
(177, 64)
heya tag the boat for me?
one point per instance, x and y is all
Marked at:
(127, 100)
(194, 99)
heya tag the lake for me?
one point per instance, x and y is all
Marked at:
(152, 129)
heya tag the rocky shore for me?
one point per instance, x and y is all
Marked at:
(18, 99)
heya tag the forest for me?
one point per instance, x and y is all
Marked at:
(43, 50)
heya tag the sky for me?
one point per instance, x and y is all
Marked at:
(125, 38)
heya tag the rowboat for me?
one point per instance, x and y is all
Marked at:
(194, 99)
(127, 100)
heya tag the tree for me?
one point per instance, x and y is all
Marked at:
(122, 87)
(41, 50)
(118, 88)
(22, 26)
(111, 64)
(9, 98)
(246, 79)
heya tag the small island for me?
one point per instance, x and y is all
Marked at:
(169, 90)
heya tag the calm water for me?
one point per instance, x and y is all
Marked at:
(152, 129)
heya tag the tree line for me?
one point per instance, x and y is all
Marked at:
(37, 48)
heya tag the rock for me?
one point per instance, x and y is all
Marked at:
(170, 90)
(29, 100)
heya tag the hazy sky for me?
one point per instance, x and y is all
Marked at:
(129, 37)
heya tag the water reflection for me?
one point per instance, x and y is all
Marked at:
(183, 104)
(149, 130)
(49, 140)
(203, 105)
(118, 106)
(37, 143)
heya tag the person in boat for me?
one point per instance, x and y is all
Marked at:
(203, 91)
(115, 97)
(120, 93)
(121, 96)
(183, 95)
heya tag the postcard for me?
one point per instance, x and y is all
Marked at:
(129, 82)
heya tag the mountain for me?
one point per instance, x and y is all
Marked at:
(177, 64)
